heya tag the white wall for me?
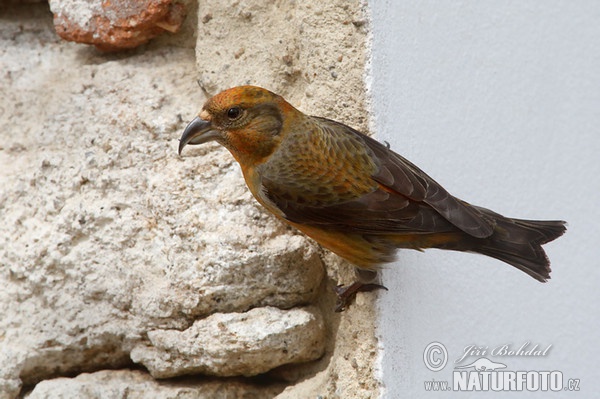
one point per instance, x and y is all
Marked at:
(500, 103)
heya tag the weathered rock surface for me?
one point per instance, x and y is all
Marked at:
(133, 384)
(107, 233)
(116, 24)
(310, 52)
(233, 344)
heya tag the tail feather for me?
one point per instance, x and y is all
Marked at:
(519, 243)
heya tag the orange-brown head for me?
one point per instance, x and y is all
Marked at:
(247, 120)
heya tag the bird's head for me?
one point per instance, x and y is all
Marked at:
(247, 120)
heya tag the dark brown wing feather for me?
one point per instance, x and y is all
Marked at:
(403, 199)
(378, 212)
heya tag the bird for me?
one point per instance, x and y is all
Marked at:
(354, 195)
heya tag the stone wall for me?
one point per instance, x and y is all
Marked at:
(124, 265)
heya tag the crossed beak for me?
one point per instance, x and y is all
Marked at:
(198, 131)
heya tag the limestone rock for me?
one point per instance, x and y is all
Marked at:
(106, 232)
(11, 363)
(135, 384)
(233, 344)
(307, 51)
(117, 24)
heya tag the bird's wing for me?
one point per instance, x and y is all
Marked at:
(402, 197)
(376, 213)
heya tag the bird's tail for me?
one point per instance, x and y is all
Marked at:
(519, 243)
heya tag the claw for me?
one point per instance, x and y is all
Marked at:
(347, 293)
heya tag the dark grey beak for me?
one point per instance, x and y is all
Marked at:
(196, 132)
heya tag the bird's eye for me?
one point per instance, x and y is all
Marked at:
(233, 113)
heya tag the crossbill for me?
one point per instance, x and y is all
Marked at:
(352, 194)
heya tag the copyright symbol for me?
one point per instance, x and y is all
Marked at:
(435, 356)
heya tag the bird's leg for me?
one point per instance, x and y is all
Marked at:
(347, 293)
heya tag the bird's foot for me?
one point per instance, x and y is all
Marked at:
(347, 293)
